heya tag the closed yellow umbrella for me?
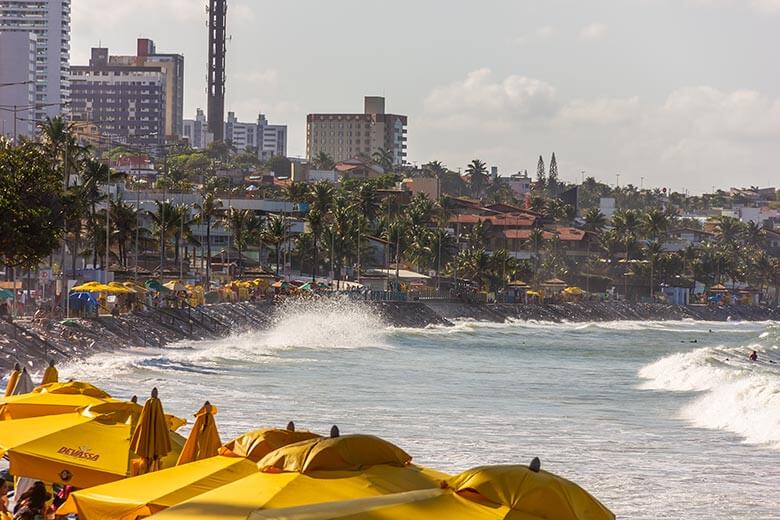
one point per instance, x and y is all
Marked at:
(13, 377)
(152, 492)
(50, 375)
(203, 441)
(82, 449)
(485, 493)
(274, 488)
(150, 439)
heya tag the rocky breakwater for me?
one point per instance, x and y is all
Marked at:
(600, 311)
(33, 342)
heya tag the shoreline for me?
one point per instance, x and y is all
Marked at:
(32, 344)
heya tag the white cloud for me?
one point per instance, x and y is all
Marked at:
(481, 94)
(541, 34)
(605, 111)
(594, 31)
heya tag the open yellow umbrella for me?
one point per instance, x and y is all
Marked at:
(50, 375)
(486, 493)
(82, 449)
(384, 470)
(574, 291)
(118, 288)
(152, 492)
(203, 441)
(87, 287)
(257, 444)
(52, 399)
(150, 439)
(13, 377)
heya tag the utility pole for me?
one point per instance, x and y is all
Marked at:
(108, 223)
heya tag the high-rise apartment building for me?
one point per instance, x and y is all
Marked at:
(17, 83)
(344, 136)
(196, 131)
(268, 139)
(49, 20)
(126, 103)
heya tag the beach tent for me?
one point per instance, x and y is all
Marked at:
(82, 449)
(150, 493)
(485, 493)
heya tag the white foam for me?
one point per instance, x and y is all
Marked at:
(736, 394)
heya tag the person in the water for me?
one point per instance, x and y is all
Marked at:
(754, 356)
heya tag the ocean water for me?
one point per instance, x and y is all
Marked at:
(656, 419)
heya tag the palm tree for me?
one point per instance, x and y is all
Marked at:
(237, 221)
(477, 173)
(754, 234)
(536, 241)
(656, 224)
(296, 191)
(652, 252)
(207, 210)
(124, 218)
(383, 158)
(315, 221)
(164, 220)
(321, 197)
(594, 220)
(323, 161)
(274, 233)
(729, 229)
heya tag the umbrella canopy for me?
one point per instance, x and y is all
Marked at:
(86, 287)
(718, 288)
(135, 287)
(147, 494)
(486, 493)
(175, 285)
(150, 439)
(574, 291)
(52, 399)
(118, 288)
(50, 375)
(81, 449)
(346, 453)
(257, 444)
(554, 282)
(13, 377)
(5, 293)
(281, 490)
(280, 285)
(154, 285)
(203, 441)
(517, 283)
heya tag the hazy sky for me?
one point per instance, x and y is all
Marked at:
(685, 93)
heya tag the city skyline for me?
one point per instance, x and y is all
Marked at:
(614, 87)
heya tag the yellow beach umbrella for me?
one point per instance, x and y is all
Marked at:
(281, 490)
(87, 287)
(203, 441)
(52, 399)
(118, 288)
(574, 291)
(152, 492)
(150, 439)
(174, 285)
(486, 493)
(50, 375)
(82, 449)
(257, 444)
(13, 377)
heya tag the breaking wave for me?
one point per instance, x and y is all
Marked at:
(735, 394)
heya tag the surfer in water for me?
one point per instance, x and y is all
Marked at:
(754, 356)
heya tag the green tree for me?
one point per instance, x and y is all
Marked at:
(553, 183)
(541, 180)
(274, 234)
(206, 213)
(383, 158)
(323, 161)
(477, 174)
(31, 205)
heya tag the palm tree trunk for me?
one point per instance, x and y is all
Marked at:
(208, 252)
(314, 266)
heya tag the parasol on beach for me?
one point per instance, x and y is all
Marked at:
(203, 441)
(82, 449)
(152, 492)
(381, 472)
(52, 399)
(150, 438)
(5, 293)
(485, 493)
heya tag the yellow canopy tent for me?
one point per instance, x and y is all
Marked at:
(203, 441)
(82, 449)
(152, 492)
(486, 493)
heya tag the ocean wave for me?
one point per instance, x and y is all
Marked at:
(735, 394)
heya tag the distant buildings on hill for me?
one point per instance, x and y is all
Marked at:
(269, 140)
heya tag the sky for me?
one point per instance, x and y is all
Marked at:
(682, 94)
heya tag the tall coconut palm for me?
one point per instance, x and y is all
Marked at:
(594, 220)
(323, 161)
(729, 230)
(124, 218)
(477, 174)
(383, 158)
(315, 221)
(321, 196)
(164, 221)
(238, 221)
(274, 234)
(206, 212)
(656, 224)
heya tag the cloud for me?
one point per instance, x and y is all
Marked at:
(482, 95)
(542, 33)
(605, 111)
(594, 31)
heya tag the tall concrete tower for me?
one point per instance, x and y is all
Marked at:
(216, 97)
